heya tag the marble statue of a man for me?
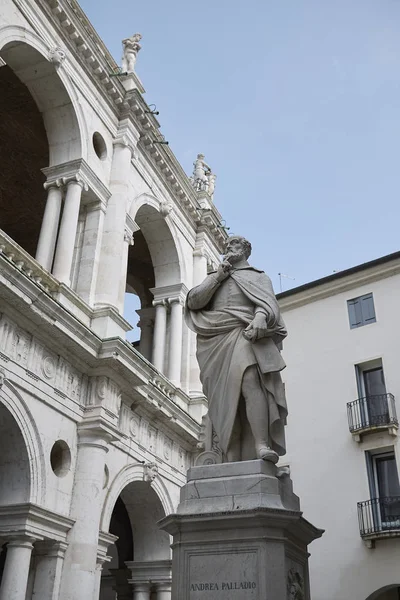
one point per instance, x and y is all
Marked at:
(131, 48)
(200, 172)
(236, 317)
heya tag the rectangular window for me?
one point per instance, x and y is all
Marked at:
(361, 311)
(373, 399)
(385, 489)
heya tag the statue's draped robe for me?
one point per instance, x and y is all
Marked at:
(224, 354)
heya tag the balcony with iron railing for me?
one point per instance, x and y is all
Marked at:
(371, 414)
(379, 518)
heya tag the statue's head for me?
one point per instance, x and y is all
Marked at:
(200, 156)
(237, 248)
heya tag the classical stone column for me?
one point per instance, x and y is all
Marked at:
(113, 254)
(79, 575)
(146, 325)
(49, 561)
(142, 590)
(16, 569)
(163, 590)
(160, 332)
(175, 341)
(67, 234)
(48, 231)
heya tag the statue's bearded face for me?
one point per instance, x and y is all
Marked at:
(235, 250)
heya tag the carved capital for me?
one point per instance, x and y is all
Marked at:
(128, 237)
(162, 302)
(200, 252)
(55, 183)
(77, 179)
(176, 300)
(126, 137)
(123, 141)
(145, 322)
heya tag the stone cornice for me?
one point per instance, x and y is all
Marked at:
(87, 46)
(170, 292)
(339, 284)
(31, 519)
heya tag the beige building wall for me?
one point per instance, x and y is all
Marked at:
(327, 465)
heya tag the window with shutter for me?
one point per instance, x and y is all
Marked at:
(361, 311)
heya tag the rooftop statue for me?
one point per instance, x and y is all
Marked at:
(131, 48)
(203, 179)
(236, 317)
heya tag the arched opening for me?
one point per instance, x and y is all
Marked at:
(153, 262)
(14, 468)
(141, 548)
(24, 151)
(389, 592)
(38, 129)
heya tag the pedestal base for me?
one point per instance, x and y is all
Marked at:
(238, 535)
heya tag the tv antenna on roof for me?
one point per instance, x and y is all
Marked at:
(281, 275)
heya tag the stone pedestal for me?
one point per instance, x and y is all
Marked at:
(239, 534)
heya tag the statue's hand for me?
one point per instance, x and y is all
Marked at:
(223, 270)
(257, 329)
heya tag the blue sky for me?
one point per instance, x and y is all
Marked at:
(296, 105)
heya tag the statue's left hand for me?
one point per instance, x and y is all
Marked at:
(257, 329)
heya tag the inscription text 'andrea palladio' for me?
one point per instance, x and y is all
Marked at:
(227, 585)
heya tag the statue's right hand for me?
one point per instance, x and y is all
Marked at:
(223, 270)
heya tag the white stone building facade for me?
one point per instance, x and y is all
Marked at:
(343, 388)
(96, 433)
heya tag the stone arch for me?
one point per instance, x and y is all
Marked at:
(131, 512)
(51, 88)
(43, 128)
(154, 219)
(19, 411)
(384, 593)
(129, 474)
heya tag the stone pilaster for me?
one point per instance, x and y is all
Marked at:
(89, 259)
(49, 557)
(113, 252)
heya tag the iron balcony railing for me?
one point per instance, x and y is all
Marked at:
(379, 515)
(372, 411)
